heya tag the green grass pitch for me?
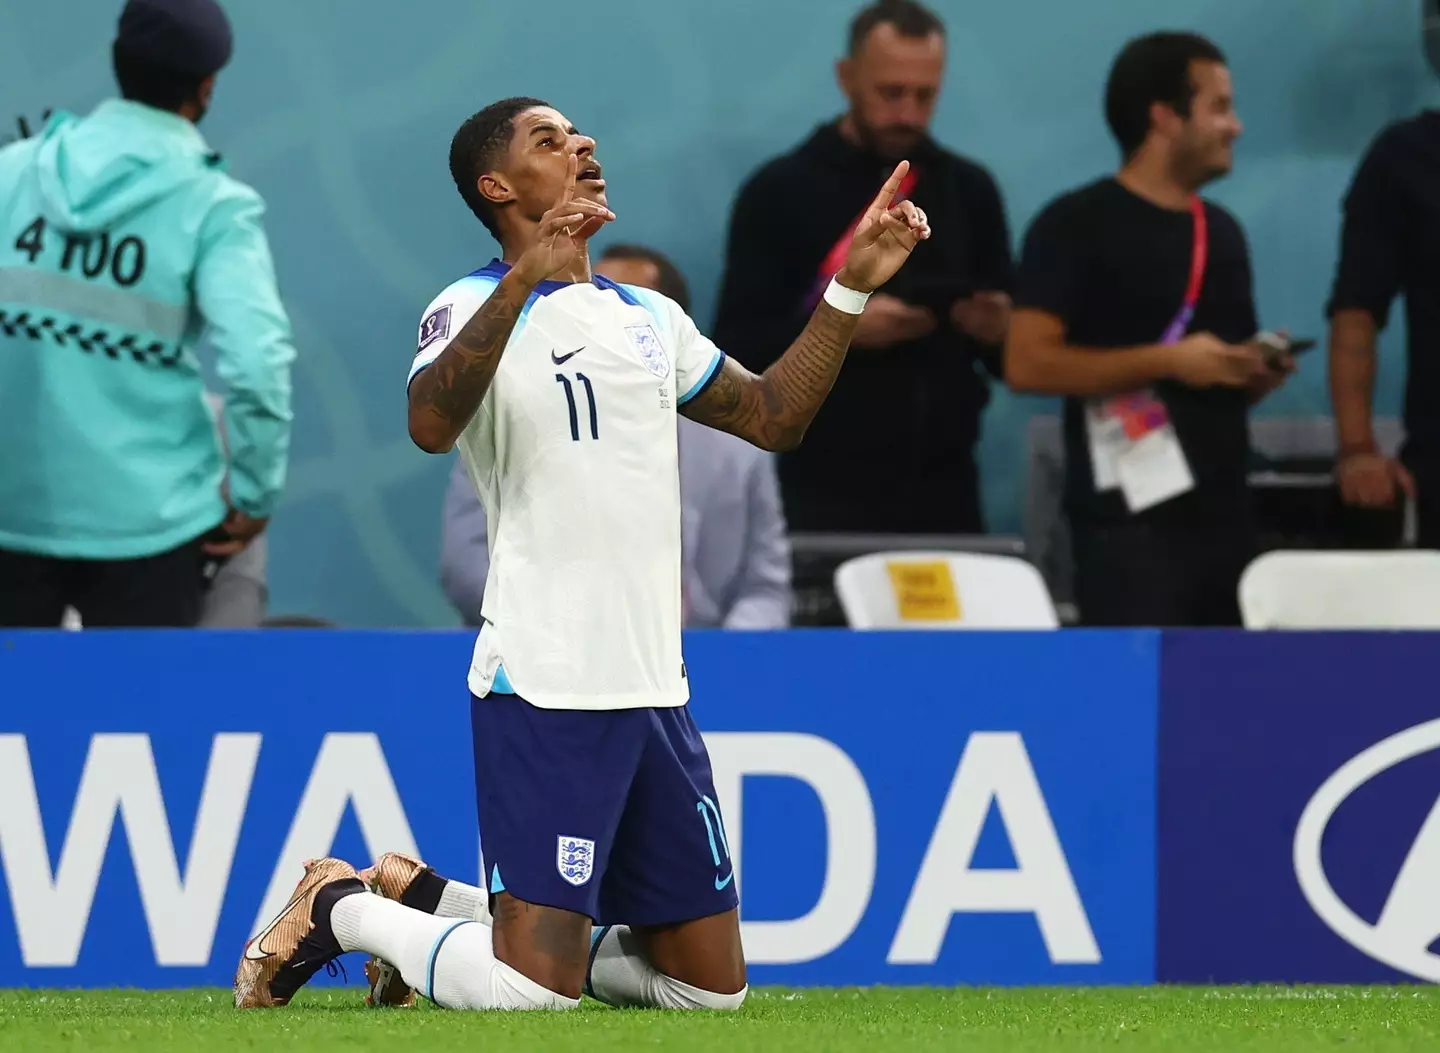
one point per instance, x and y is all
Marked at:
(874, 1020)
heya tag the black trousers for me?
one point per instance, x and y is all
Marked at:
(166, 590)
(1427, 501)
(1139, 573)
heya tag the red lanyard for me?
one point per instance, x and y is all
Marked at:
(1199, 254)
(1199, 257)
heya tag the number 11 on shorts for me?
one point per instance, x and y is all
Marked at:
(715, 830)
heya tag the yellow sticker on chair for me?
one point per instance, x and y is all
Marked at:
(924, 592)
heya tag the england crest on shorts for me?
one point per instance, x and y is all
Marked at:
(575, 859)
(652, 352)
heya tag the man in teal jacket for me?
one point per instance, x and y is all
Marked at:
(122, 242)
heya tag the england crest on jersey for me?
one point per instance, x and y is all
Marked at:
(652, 352)
(575, 859)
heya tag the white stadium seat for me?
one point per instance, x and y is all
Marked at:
(1342, 590)
(943, 590)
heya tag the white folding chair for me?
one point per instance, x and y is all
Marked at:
(943, 590)
(1342, 590)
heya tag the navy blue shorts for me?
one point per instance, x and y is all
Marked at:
(607, 813)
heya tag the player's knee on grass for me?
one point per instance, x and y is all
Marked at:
(705, 954)
(675, 994)
(623, 974)
(548, 945)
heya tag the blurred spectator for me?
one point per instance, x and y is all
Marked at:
(121, 238)
(893, 450)
(1390, 245)
(1112, 279)
(736, 572)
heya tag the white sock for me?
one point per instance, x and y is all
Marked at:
(450, 962)
(620, 975)
(459, 900)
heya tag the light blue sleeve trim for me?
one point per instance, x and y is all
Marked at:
(699, 386)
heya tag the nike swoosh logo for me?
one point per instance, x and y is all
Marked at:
(254, 945)
(560, 360)
(719, 885)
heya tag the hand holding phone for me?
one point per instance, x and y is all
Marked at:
(1275, 348)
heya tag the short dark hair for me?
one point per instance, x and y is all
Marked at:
(909, 19)
(671, 282)
(478, 147)
(142, 80)
(1151, 69)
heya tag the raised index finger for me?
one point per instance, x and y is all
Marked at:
(571, 167)
(887, 192)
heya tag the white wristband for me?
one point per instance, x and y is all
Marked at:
(844, 299)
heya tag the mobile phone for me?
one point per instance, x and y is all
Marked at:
(1275, 347)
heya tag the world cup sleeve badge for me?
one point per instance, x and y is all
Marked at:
(646, 342)
(435, 327)
(575, 859)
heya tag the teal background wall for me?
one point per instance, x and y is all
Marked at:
(341, 113)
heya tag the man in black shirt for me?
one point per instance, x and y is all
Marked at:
(1133, 287)
(893, 449)
(1390, 245)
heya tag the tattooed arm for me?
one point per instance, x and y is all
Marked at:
(774, 409)
(446, 393)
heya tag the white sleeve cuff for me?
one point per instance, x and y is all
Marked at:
(421, 361)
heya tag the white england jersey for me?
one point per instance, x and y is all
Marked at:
(573, 453)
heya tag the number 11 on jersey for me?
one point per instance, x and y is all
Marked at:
(562, 379)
